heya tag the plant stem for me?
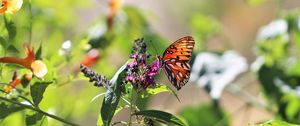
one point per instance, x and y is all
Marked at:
(130, 112)
(39, 111)
(30, 21)
(132, 106)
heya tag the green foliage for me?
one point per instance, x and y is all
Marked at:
(36, 119)
(276, 123)
(7, 109)
(203, 27)
(112, 97)
(162, 116)
(279, 80)
(159, 88)
(204, 115)
(37, 90)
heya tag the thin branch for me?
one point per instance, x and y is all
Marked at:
(39, 111)
(30, 21)
(247, 97)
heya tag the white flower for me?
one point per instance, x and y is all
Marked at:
(65, 47)
(217, 71)
(273, 29)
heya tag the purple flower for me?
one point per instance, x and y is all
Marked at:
(154, 68)
(140, 74)
(134, 56)
(129, 78)
(131, 65)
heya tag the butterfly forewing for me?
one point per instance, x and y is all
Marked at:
(175, 61)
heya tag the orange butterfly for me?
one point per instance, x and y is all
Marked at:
(175, 61)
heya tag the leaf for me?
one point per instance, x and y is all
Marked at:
(37, 119)
(159, 88)
(12, 49)
(112, 96)
(3, 42)
(276, 123)
(8, 109)
(205, 115)
(10, 27)
(162, 116)
(39, 53)
(97, 96)
(119, 108)
(37, 90)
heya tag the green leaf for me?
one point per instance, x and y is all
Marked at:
(205, 115)
(37, 90)
(39, 53)
(276, 123)
(6, 109)
(162, 116)
(159, 88)
(11, 49)
(37, 119)
(112, 96)
(10, 27)
(3, 42)
(119, 108)
(97, 96)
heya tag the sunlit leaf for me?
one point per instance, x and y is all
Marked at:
(159, 88)
(167, 118)
(112, 96)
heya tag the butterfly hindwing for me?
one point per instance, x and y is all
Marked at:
(175, 61)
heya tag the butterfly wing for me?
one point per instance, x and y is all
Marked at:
(175, 61)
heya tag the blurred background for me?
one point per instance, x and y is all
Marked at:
(71, 30)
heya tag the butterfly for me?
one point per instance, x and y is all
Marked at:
(175, 61)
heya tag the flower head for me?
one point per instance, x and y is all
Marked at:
(91, 58)
(38, 67)
(140, 74)
(10, 6)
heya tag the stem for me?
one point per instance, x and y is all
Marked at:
(251, 100)
(132, 106)
(39, 111)
(30, 20)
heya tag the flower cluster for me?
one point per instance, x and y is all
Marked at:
(138, 72)
(99, 80)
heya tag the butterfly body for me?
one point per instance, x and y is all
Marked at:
(175, 61)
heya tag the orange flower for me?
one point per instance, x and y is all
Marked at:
(91, 58)
(38, 68)
(12, 84)
(114, 6)
(10, 6)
